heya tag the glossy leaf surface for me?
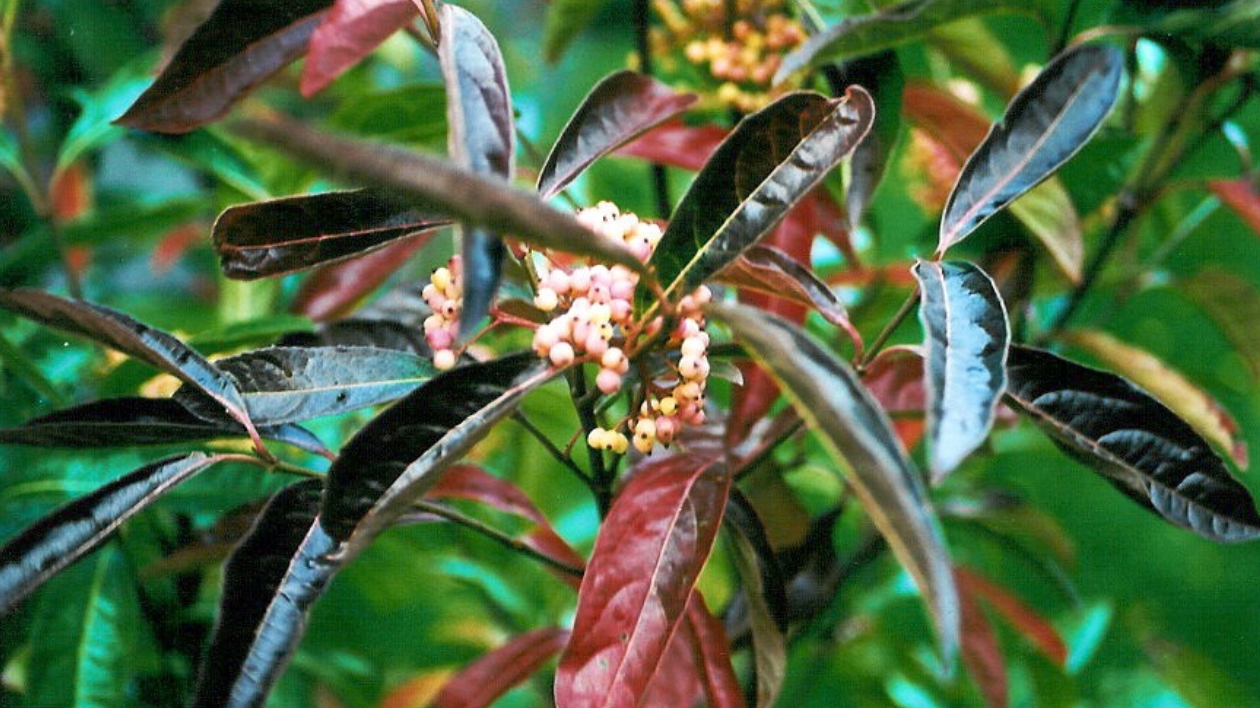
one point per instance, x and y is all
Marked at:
(481, 138)
(74, 530)
(770, 270)
(399, 455)
(348, 33)
(1140, 446)
(859, 436)
(647, 557)
(620, 108)
(269, 584)
(677, 145)
(242, 44)
(967, 336)
(333, 291)
(482, 682)
(1045, 124)
(712, 652)
(769, 162)
(265, 239)
(764, 596)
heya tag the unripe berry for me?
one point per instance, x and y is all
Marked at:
(668, 405)
(619, 443)
(693, 347)
(558, 280)
(440, 339)
(595, 438)
(687, 367)
(595, 345)
(441, 278)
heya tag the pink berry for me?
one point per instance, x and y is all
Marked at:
(562, 354)
(595, 345)
(608, 381)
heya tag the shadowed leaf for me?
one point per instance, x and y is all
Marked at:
(349, 32)
(1241, 197)
(712, 652)
(620, 108)
(242, 44)
(981, 652)
(486, 679)
(881, 75)
(859, 436)
(677, 145)
(770, 270)
(358, 332)
(481, 138)
(966, 340)
(634, 594)
(269, 584)
(896, 379)
(769, 162)
(265, 239)
(334, 290)
(1233, 304)
(1035, 628)
(46, 547)
(565, 19)
(764, 595)
(676, 681)
(1136, 443)
(1045, 124)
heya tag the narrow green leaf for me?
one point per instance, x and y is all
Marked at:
(1045, 125)
(1233, 304)
(769, 162)
(859, 436)
(565, 19)
(966, 337)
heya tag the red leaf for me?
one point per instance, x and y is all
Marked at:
(677, 145)
(333, 290)
(956, 126)
(649, 552)
(896, 379)
(980, 650)
(676, 681)
(1023, 618)
(1241, 196)
(173, 245)
(712, 652)
(70, 193)
(352, 29)
(488, 678)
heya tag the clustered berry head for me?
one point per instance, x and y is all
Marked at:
(444, 295)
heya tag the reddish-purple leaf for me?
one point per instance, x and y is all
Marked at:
(349, 32)
(1035, 628)
(769, 270)
(896, 380)
(981, 652)
(677, 145)
(763, 600)
(712, 652)
(1241, 197)
(620, 108)
(634, 594)
(486, 679)
(676, 681)
(270, 238)
(242, 44)
(334, 290)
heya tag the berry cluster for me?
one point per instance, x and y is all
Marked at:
(742, 52)
(444, 295)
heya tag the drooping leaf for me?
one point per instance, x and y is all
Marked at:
(967, 336)
(1045, 124)
(981, 652)
(764, 597)
(881, 75)
(265, 239)
(770, 270)
(401, 453)
(1241, 196)
(891, 26)
(292, 384)
(486, 679)
(1187, 400)
(1035, 628)
(712, 652)
(1233, 304)
(432, 183)
(621, 107)
(676, 144)
(46, 547)
(859, 436)
(269, 585)
(1136, 443)
(565, 19)
(242, 44)
(769, 162)
(481, 138)
(348, 33)
(125, 422)
(334, 290)
(648, 554)
(119, 331)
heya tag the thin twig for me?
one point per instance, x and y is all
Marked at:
(906, 308)
(601, 476)
(503, 539)
(551, 448)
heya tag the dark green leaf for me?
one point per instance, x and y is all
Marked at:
(565, 19)
(1140, 446)
(764, 596)
(66, 535)
(892, 26)
(291, 384)
(1233, 304)
(270, 238)
(269, 584)
(966, 337)
(481, 138)
(620, 108)
(125, 422)
(1232, 24)
(1045, 124)
(859, 436)
(400, 454)
(242, 44)
(207, 151)
(770, 161)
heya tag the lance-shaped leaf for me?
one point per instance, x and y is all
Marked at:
(242, 44)
(72, 531)
(400, 454)
(481, 138)
(432, 183)
(265, 239)
(1045, 124)
(634, 594)
(290, 384)
(859, 436)
(333, 291)
(1140, 446)
(1233, 304)
(892, 26)
(482, 682)
(981, 652)
(769, 270)
(348, 33)
(764, 596)
(1035, 628)
(677, 144)
(712, 652)
(269, 584)
(124, 422)
(620, 108)
(119, 331)
(881, 75)
(967, 336)
(770, 161)
(565, 19)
